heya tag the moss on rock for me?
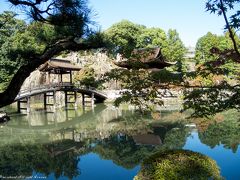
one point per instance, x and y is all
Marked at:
(178, 165)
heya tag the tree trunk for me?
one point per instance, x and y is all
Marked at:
(8, 96)
(231, 35)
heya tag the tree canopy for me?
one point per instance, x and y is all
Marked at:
(125, 36)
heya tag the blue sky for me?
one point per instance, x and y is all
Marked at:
(187, 16)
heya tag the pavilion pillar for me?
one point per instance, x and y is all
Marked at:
(70, 77)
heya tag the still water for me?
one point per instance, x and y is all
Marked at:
(110, 143)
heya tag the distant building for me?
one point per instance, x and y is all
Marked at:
(190, 54)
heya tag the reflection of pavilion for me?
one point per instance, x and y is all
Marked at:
(147, 139)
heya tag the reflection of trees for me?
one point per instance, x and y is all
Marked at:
(176, 138)
(22, 159)
(123, 151)
(226, 133)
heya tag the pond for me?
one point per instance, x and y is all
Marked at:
(110, 143)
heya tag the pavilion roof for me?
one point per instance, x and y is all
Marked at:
(145, 58)
(58, 66)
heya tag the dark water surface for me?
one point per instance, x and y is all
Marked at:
(109, 143)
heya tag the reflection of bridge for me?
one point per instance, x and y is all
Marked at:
(55, 121)
(50, 91)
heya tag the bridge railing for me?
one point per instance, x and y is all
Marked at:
(93, 89)
(58, 85)
(45, 86)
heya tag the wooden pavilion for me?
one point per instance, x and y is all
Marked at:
(145, 58)
(60, 67)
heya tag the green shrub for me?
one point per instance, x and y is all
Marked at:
(178, 165)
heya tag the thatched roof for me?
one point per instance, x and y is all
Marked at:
(58, 66)
(145, 58)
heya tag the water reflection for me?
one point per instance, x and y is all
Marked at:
(225, 132)
(55, 143)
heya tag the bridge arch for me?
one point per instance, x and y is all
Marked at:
(25, 95)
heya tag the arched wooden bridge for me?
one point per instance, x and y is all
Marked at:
(24, 95)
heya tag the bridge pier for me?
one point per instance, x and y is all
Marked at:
(47, 100)
(67, 101)
(27, 106)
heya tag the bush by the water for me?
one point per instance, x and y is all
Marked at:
(178, 165)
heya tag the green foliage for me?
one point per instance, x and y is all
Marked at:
(9, 28)
(174, 50)
(166, 76)
(209, 41)
(86, 77)
(178, 164)
(20, 41)
(123, 37)
(139, 88)
(152, 37)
